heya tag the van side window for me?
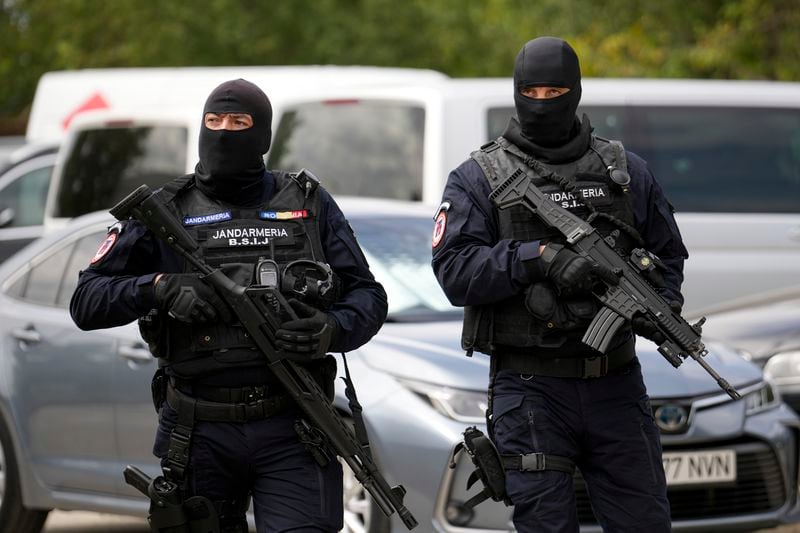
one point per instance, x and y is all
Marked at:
(607, 122)
(22, 201)
(356, 147)
(707, 159)
(722, 159)
(105, 164)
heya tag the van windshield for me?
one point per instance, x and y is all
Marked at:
(708, 159)
(105, 164)
(356, 147)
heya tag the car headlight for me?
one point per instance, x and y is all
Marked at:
(784, 368)
(765, 397)
(458, 404)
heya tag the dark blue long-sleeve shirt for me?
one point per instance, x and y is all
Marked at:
(119, 288)
(474, 266)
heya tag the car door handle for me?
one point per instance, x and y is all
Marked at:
(136, 353)
(27, 334)
(794, 233)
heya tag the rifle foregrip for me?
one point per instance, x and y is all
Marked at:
(123, 209)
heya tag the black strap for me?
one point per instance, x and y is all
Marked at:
(537, 462)
(478, 498)
(355, 408)
(567, 367)
(180, 440)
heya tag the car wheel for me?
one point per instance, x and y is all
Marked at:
(361, 515)
(14, 517)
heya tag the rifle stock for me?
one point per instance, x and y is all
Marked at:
(632, 296)
(255, 309)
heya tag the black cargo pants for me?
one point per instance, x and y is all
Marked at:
(603, 424)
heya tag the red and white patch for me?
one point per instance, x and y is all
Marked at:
(439, 225)
(111, 238)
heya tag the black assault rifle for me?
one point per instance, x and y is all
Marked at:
(632, 296)
(255, 307)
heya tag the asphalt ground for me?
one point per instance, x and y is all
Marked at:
(82, 522)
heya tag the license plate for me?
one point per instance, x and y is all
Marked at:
(689, 468)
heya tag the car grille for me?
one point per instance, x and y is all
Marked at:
(759, 487)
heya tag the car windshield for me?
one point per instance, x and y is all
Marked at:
(399, 255)
(105, 164)
(708, 159)
(357, 147)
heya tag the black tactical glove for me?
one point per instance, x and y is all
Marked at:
(571, 272)
(307, 337)
(188, 298)
(646, 328)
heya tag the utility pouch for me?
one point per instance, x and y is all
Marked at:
(201, 514)
(559, 313)
(169, 513)
(489, 467)
(151, 330)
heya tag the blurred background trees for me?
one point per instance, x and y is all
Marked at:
(734, 39)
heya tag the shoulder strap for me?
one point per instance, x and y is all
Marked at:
(619, 155)
(173, 187)
(303, 178)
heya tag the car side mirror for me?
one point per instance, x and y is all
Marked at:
(7, 216)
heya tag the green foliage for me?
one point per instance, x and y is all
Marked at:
(748, 39)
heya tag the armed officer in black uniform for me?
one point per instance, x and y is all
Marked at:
(226, 428)
(527, 304)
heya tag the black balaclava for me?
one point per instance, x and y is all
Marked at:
(231, 165)
(547, 62)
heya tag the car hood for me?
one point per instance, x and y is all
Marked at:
(431, 352)
(761, 330)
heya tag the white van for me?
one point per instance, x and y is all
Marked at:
(726, 152)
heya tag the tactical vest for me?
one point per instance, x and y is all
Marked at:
(234, 239)
(508, 323)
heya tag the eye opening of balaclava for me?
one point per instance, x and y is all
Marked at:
(547, 62)
(231, 163)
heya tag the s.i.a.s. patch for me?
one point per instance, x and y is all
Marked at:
(108, 243)
(439, 224)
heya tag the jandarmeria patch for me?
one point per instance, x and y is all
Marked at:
(250, 236)
(207, 219)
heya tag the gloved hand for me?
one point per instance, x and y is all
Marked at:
(188, 298)
(307, 337)
(646, 328)
(572, 272)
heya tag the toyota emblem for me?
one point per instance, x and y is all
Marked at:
(671, 418)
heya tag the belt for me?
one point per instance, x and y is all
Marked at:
(223, 394)
(567, 367)
(211, 411)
